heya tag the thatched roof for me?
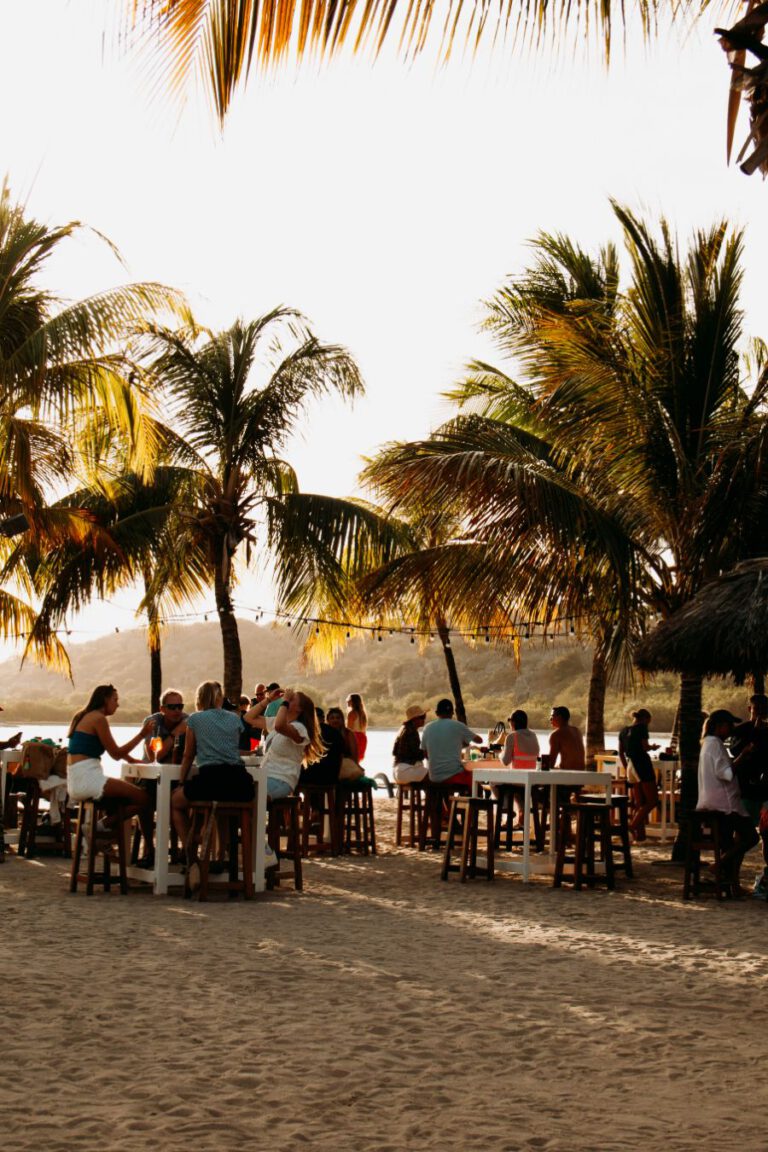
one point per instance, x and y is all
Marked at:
(722, 631)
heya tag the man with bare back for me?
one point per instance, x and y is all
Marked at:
(565, 742)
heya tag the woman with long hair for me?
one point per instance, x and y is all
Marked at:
(295, 740)
(357, 720)
(635, 746)
(213, 742)
(89, 737)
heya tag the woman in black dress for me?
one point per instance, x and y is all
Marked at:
(646, 792)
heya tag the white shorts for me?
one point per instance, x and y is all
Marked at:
(86, 780)
(409, 773)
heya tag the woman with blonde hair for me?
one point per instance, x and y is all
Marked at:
(89, 736)
(295, 740)
(357, 721)
(213, 742)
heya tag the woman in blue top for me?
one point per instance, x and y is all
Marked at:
(89, 737)
(213, 742)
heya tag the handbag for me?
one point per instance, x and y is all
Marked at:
(632, 776)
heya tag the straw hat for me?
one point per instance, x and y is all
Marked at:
(414, 711)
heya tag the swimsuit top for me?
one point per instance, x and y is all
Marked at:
(85, 744)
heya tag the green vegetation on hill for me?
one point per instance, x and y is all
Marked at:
(389, 675)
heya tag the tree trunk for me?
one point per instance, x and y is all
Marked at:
(691, 719)
(155, 646)
(230, 638)
(453, 675)
(758, 683)
(598, 683)
(155, 676)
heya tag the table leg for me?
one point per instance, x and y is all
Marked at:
(259, 830)
(527, 829)
(162, 834)
(553, 829)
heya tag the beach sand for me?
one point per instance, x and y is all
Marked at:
(382, 1010)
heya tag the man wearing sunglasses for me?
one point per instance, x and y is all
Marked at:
(170, 725)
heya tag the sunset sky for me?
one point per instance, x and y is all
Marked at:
(384, 202)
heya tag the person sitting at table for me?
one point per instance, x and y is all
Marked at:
(719, 792)
(634, 747)
(89, 736)
(294, 738)
(350, 769)
(566, 746)
(326, 769)
(521, 750)
(443, 740)
(213, 743)
(408, 755)
(168, 725)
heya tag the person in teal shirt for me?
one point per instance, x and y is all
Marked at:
(443, 740)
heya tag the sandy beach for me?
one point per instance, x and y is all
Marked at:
(383, 1010)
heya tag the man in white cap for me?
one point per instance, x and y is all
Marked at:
(408, 765)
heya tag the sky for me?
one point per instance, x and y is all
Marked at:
(384, 202)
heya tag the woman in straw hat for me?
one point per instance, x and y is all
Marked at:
(408, 756)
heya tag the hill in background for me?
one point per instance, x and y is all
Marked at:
(389, 675)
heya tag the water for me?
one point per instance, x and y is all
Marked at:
(378, 757)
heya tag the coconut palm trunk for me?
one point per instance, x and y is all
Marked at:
(598, 684)
(230, 636)
(453, 675)
(691, 718)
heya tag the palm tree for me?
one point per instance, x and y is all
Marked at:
(363, 564)
(59, 371)
(223, 40)
(136, 536)
(604, 483)
(235, 398)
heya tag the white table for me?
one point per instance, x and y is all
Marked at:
(166, 774)
(491, 773)
(663, 826)
(7, 756)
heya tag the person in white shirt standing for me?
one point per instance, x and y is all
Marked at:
(719, 791)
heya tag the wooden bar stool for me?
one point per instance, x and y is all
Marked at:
(464, 818)
(87, 834)
(239, 817)
(318, 813)
(593, 828)
(284, 814)
(358, 828)
(702, 833)
(619, 829)
(437, 798)
(410, 803)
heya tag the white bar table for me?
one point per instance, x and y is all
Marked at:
(167, 774)
(530, 778)
(663, 826)
(7, 756)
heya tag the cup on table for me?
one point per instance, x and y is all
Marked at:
(254, 743)
(545, 762)
(156, 744)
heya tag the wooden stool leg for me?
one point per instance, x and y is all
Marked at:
(561, 846)
(78, 848)
(246, 845)
(578, 864)
(449, 839)
(468, 814)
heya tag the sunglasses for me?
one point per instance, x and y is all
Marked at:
(173, 707)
